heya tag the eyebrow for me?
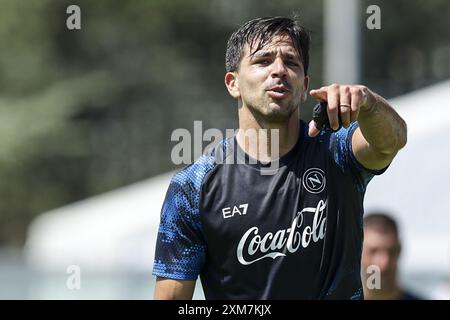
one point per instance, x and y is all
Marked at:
(263, 54)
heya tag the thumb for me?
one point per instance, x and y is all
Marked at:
(313, 131)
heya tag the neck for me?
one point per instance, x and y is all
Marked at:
(262, 146)
(379, 294)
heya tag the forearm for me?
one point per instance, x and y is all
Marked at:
(169, 289)
(382, 127)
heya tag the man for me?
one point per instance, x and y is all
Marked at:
(382, 249)
(293, 234)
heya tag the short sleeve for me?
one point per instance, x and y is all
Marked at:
(342, 152)
(180, 248)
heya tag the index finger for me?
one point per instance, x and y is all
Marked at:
(320, 94)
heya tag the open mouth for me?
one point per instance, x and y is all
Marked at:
(278, 92)
(281, 89)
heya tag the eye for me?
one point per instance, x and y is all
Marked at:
(292, 63)
(264, 62)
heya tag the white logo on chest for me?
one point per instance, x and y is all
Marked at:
(241, 210)
(285, 240)
(314, 180)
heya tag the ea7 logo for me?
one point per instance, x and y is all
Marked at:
(241, 210)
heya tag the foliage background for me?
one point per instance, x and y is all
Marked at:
(84, 112)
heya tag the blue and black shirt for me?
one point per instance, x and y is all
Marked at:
(293, 234)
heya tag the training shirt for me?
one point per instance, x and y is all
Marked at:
(253, 232)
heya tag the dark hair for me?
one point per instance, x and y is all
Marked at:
(381, 222)
(261, 30)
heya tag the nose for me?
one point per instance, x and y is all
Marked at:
(383, 260)
(278, 68)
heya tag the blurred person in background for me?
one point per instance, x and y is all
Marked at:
(382, 248)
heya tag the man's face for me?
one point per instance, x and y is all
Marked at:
(381, 249)
(271, 82)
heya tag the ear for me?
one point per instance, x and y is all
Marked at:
(232, 84)
(305, 88)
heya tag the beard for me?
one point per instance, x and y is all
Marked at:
(273, 111)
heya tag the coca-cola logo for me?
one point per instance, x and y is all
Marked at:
(254, 247)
